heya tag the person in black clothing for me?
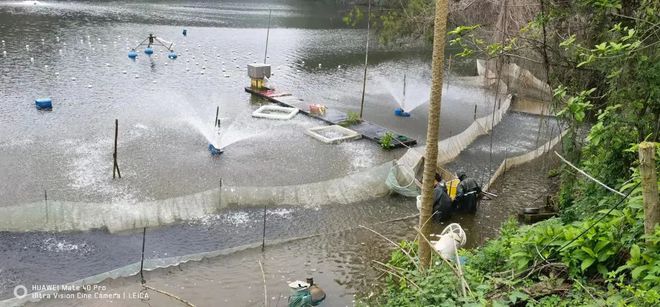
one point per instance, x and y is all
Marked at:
(467, 194)
(441, 201)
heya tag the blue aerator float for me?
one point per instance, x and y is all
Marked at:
(401, 113)
(214, 151)
(45, 104)
(151, 41)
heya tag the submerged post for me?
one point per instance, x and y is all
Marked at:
(649, 186)
(115, 166)
(263, 235)
(475, 112)
(46, 203)
(366, 60)
(217, 113)
(267, 35)
(144, 236)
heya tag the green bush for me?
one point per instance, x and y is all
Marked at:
(352, 118)
(387, 141)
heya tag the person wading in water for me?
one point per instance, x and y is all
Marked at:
(467, 194)
(441, 201)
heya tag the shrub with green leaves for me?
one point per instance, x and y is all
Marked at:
(387, 141)
(352, 118)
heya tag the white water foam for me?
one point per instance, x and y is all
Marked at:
(280, 212)
(62, 246)
(417, 91)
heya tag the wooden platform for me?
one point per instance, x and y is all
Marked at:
(368, 130)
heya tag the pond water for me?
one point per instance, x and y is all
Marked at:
(340, 261)
(76, 54)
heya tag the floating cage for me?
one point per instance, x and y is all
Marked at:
(332, 134)
(275, 112)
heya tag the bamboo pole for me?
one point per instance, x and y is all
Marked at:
(46, 203)
(649, 185)
(270, 11)
(263, 235)
(144, 237)
(431, 153)
(115, 166)
(217, 113)
(366, 60)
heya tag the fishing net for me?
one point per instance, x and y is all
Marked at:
(402, 180)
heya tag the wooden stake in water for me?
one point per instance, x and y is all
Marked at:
(263, 236)
(403, 101)
(115, 166)
(46, 203)
(475, 112)
(144, 236)
(267, 35)
(217, 113)
(366, 60)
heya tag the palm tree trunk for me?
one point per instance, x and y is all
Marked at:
(431, 154)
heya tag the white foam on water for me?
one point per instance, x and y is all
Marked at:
(244, 126)
(284, 213)
(89, 168)
(141, 126)
(417, 90)
(63, 246)
(236, 218)
(360, 153)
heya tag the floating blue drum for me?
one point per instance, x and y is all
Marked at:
(214, 151)
(149, 51)
(172, 55)
(44, 104)
(132, 54)
(401, 113)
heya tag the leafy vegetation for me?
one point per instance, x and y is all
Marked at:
(547, 264)
(352, 118)
(387, 141)
(601, 58)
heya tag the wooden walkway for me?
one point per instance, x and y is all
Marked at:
(368, 130)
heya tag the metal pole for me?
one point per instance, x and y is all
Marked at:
(263, 236)
(267, 35)
(115, 166)
(144, 236)
(366, 60)
(403, 101)
(217, 113)
(46, 202)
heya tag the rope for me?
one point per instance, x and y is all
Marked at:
(187, 303)
(598, 220)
